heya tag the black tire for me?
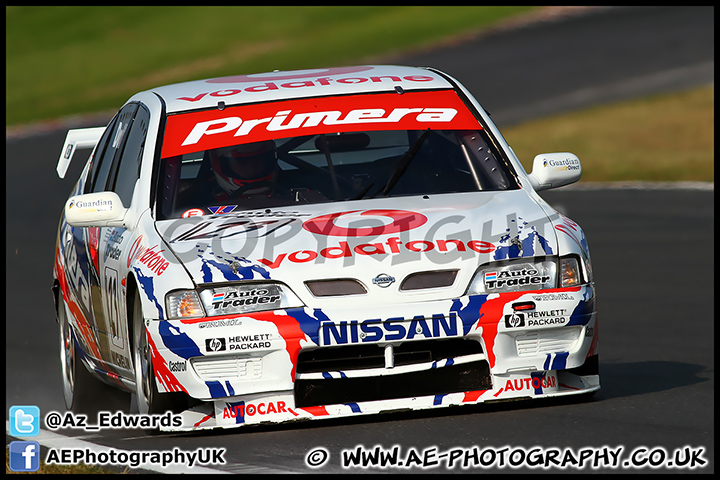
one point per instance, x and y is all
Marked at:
(82, 392)
(147, 397)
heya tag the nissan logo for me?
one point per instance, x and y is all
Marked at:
(383, 280)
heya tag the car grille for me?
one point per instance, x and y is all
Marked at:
(336, 287)
(422, 280)
(358, 373)
(350, 286)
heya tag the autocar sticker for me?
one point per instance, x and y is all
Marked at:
(240, 410)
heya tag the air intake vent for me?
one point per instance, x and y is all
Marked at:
(335, 288)
(421, 280)
(462, 377)
(546, 341)
(362, 357)
(223, 368)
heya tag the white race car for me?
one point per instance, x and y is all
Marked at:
(319, 243)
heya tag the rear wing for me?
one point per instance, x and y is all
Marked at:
(77, 138)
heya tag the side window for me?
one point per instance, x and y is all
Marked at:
(129, 167)
(98, 154)
(114, 143)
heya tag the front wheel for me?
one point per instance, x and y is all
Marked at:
(145, 388)
(149, 400)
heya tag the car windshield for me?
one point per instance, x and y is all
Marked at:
(329, 164)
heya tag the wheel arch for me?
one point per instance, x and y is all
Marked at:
(131, 289)
(55, 289)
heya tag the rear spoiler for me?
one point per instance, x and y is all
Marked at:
(77, 138)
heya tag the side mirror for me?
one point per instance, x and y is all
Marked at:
(103, 209)
(552, 170)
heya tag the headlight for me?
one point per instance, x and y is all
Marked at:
(183, 304)
(245, 298)
(570, 274)
(514, 275)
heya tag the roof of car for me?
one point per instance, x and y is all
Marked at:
(279, 85)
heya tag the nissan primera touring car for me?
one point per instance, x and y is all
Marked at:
(318, 243)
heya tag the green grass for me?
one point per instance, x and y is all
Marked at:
(53, 469)
(70, 60)
(659, 138)
(64, 61)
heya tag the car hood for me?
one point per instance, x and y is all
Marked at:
(362, 240)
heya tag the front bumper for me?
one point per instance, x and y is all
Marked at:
(308, 363)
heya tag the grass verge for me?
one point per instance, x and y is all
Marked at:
(658, 138)
(68, 60)
(52, 469)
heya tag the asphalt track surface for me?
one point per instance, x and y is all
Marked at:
(652, 250)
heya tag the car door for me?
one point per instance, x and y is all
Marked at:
(83, 251)
(113, 241)
(77, 254)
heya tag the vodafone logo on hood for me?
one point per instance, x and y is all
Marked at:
(350, 223)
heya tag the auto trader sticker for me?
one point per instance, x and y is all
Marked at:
(503, 278)
(261, 296)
